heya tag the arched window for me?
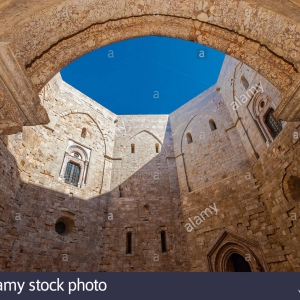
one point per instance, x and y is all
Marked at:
(163, 241)
(157, 148)
(263, 112)
(75, 165)
(72, 174)
(212, 125)
(272, 123)
(132, 148)
(237, 263)
(189, 138)
(83, 133)
(128, 242)
(245, 82)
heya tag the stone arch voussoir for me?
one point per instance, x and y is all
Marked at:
(37, 42)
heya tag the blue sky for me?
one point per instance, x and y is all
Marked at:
(148, 75)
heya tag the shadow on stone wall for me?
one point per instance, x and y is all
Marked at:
(30, 242)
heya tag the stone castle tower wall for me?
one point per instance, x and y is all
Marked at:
(144, 176)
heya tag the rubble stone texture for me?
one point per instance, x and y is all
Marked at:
(251, 178)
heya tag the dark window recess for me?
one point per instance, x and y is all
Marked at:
(128, 242)
(294, 186)
(237, 263)
(157, 148)
(189, 138)
(83, 133)
(212, 125)
(132, 148)
(60, 227)
(72, 174)
(121, 191)
(245, 82)
(163, 242)
(273, 124)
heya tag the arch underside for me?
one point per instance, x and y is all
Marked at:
(45, 41)
(276, 70)
(268, 41)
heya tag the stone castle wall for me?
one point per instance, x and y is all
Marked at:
(149, 202)
(241, 172)
(162, 185)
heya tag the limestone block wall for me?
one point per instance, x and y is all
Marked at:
(214, 171)
(39, 197)
(234, 92)
(42, 149)
(257, 204)
(148, 174)
(9, 185)
(97, 217)
(145, 198)
(143, 170)
(275, 172)
(275, 168)
(213, 154)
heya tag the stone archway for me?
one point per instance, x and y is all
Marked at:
(42, 39)
(232, 252)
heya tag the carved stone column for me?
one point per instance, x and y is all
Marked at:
(19, 101)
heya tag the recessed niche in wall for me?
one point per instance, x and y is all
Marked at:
(64, 226)
(212, 125)
(83, 133)
(294, 185)
(229, 251)
(157, 148)
(291, 187)
(189, 138)
(163, 241)
(245, 82)
(128, 243)
(237, 263)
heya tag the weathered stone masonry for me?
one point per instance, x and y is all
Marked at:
(151, 174)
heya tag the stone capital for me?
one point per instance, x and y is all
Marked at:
(19, 101)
